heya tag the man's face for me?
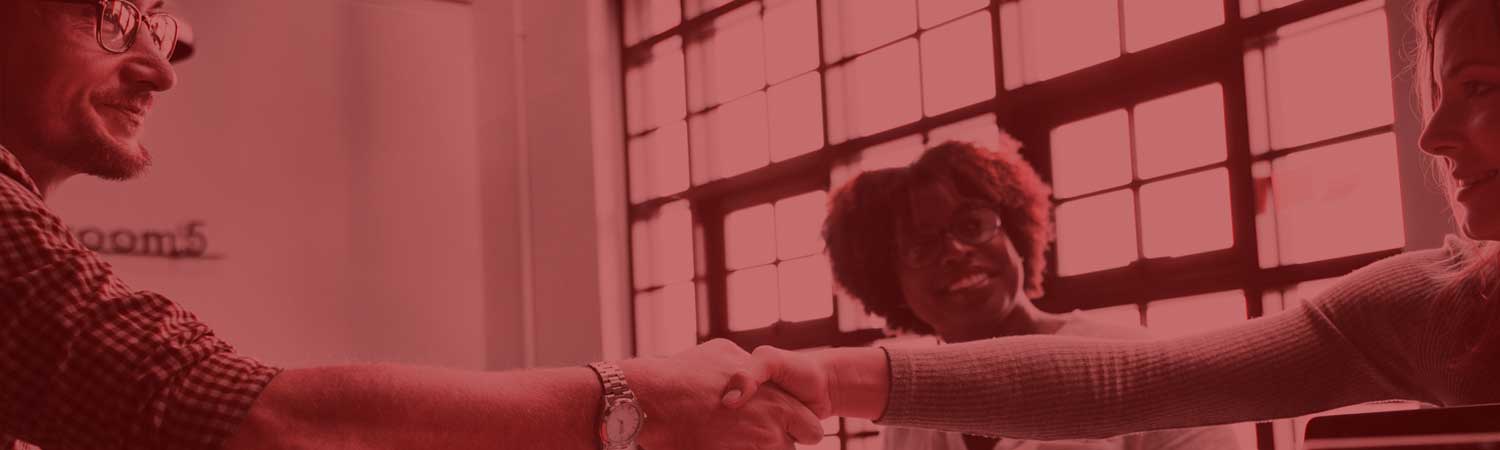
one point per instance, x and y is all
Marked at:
(68, 101)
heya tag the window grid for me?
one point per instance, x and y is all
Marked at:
(1027, 109)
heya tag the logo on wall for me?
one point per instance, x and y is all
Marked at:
(186, 242)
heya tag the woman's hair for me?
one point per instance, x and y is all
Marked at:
(1478, 270)
(1480, 265)
(866, 214)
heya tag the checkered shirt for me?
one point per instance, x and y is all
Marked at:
(88, 363)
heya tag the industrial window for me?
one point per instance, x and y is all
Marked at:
(1208, 165)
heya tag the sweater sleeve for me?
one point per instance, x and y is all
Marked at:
(1347, 346)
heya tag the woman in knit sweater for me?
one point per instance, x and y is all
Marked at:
(971, 228)
(1420, 326)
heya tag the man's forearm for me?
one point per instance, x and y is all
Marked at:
(394, 407)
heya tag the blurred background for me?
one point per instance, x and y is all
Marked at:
(511, 183)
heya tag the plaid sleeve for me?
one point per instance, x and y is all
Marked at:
(87, 363)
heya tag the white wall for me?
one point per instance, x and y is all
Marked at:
(552, 96)
(330, 148)
(414, 181)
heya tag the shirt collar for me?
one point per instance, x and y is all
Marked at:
(11, 167)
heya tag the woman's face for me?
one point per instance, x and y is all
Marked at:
(1464, 129)
(964, 286)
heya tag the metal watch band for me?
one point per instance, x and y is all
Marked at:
(615, 389)
(613, 380)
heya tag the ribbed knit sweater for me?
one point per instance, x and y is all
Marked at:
(1397, 329)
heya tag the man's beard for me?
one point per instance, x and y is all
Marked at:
(100, 157)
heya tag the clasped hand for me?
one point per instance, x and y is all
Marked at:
(717, 396)
(689, 406)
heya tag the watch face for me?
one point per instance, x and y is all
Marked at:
(623, 422)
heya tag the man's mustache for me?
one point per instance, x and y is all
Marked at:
(135, 102)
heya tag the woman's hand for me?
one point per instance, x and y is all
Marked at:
(850, 382)
(679, 394)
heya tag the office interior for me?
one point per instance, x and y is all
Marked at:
(501, 184)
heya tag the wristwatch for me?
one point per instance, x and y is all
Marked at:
(622, 417)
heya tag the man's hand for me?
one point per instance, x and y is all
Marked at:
(682, 399)
(851, 382)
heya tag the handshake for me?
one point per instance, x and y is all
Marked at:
(717, 396)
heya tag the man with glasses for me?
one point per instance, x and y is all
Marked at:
(87, 362)
(955, 245)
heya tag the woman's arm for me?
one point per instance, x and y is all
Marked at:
(1056, 387)
(1366, 339)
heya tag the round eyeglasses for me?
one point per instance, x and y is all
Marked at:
(119, 22)
(972, 225)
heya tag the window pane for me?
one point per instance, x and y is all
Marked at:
(1256, 99)
(662, 246)
(697, 7)
(1265, 216)
(1252, 7)
(1310, 99)
(796, 116)
(856, 426)
(828, 443)
(1010, 45)
(730, 140)
(1149, 23)
(854, 26)
(799, 224)
(730, 62)
(1123, 315)
(830, 425)
(806, 289)
(1337, 201)
(958, 64)
(643, 244)
(866, 443)
(980, 131)
(852, 314)
(749, 237)
(876, 92)
(896, 153)
(934, 12)
(1180, 131)
(655, 90)
(659, 163)
(792, 44)
(1186, 215)
(1189, 315)
(1096, 233)
(666, 320)
(644, 18)
(1090, 155)
(1062, 36)
(752, 298)
(1273, 4)
(1295, 295)
(907, 340)
(1308, 290)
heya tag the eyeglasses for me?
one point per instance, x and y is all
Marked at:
(971, 225)
(119, 21)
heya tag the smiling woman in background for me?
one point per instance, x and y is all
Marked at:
(970, 228)
(1420, 326)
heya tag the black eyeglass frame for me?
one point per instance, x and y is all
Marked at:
(908, 252)
(142, 19)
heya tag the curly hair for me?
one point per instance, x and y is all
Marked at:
(866, 213)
